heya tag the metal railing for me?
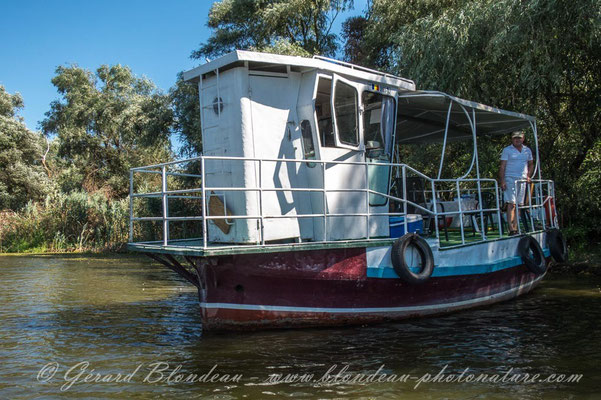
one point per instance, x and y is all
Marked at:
(540, 203)
(540, 195)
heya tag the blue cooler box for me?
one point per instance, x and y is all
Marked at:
(414, 224)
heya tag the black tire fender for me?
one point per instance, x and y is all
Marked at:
(532, 255)
(557, 245)
(399, 263)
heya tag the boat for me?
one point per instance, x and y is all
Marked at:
(303, 210)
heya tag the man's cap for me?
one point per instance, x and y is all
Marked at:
(517, 134)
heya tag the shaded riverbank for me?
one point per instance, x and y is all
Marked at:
(577, 267)
(582, 261)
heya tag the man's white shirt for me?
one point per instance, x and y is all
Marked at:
(517, 161)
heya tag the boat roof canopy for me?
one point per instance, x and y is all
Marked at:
(280, 63)
(422, 118)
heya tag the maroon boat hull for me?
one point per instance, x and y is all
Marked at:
(332, 287)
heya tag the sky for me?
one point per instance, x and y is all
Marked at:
(154, 38)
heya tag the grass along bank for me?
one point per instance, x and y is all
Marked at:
(73, 222)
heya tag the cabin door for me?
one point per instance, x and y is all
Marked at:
(345, 183)
(361, 131)
(377, 117)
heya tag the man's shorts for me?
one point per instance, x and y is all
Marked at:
(515, 191)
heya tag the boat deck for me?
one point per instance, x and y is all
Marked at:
(194, 247)
(472, 236)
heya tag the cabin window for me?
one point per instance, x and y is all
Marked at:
(308, 145)
(323, 111)
(345, 107)
(261, 68)
(378, 124)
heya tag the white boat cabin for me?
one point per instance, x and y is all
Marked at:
(264, 106)
(311, 141)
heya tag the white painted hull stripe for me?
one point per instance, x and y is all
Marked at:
(430, 307)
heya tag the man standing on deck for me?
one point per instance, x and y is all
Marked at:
(516, 164)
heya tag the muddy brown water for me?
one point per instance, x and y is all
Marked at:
(123, 327)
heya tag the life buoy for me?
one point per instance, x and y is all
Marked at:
(399, 261)
(532, 255)
(550, 212)
(557, 245)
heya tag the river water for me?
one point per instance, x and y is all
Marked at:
(71, 324)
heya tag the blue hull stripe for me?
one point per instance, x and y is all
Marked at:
(388, 272)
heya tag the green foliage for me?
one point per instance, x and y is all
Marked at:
(66, 222)
(22, 176)
(297, 27)
(186, 107)
(539, 57)
(285, 46)
(353, 30)
(105, 124)
(376, 35)
(81, 221)
(589, 182)
(9, 104)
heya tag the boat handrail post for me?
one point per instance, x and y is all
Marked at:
(498, 209)
(460, 210)
(548, 198)
(165, 205)
(544, 214)
(367, 200)
(517, 209)
(551, 194)
(261, 221)
(404, 174)
(325, 202)
(131, 206)
(204, 203)
(530, 207)
(435, 210)
(541, 201)
(555, 221)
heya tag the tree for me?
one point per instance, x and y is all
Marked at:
(353, 30)
(370, 40)
(22, 176)
(105, 124)
(186, 106)
(540, 57)
(298, 27)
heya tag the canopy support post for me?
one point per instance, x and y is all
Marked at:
(444, 143)
(478, 177)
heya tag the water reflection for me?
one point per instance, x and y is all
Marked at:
(118, 313)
